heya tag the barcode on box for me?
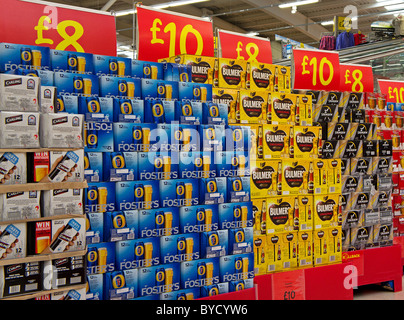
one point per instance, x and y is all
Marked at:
(332, 258)
(271, 267)
(286, 264)
(318, 190)
(319, 260)
(303, 226)
(303, 262)
(14, 289)
(332, 189)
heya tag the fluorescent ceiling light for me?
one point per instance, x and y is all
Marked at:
(327, 23)
(160, 6)
(176, 3)
(252, 34)
(395, 7)
(297, 3)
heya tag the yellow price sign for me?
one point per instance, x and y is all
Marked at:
(356, 78)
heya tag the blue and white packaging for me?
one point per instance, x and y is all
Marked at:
(236, 267)
(213, 190)
(14, 56)
(121, 285)
(157, 166)
(100, 197)
(98, 136)
(159, 279)
(241, 285)
(232, 164)
(147, 70)
(214, 290)
(180, 247)
(238, 138)
(199, 218)
(215, 113)
(95, 287)
(97, 109)
(177, 72)
(179, 192)
(131, 195)
(195, 91)
(67, 103)
(199, 273)
(240, 240)
(93, 167)
(77, 84)
(71, 61)
(120, 225)
(214, 244)
(238, 189)
(159, 111)
(46, 76)
(100, 257)
(212, 137)
(95, 227)
(235, 215)
(186, 294)
(196, 164)
(159, 89)
(119, 87)
(188, 112)
(177, 137)
(120, 166)
(138, 253)
(128, 110)
(111, 66)
(159, 222)
(130, 137)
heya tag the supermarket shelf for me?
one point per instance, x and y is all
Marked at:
(62, 216)
(45, 292)
(246, 294)
(22, 150)
(43, 186)
(43, 257)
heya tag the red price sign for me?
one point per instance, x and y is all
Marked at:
(56, 26)
(356, 78)
(162, 34)
(234, 45)
(394, 90)
(315, 69)
(288, 285)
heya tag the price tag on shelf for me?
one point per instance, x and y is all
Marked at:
(162, 34)
(315, 69)
(356, 78)
(289, 285)
(394, 90)
(234, 45)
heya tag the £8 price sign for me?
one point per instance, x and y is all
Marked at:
(356, 78)
(162, 34)
(394, 90)
(315, 69)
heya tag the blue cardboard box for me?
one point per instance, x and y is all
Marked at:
(70, 61)
(186, 294)
(235, 215)
(188, 112)
(177, 137)
(67, 103)
(199, 273)
(147, 70)
(95, 287)
(100, 257)
(135, 137)
(177, 72)
(196, 164)
(236, 267)
(179, 192)
(195, 91)
(95, 227)
(119, 87)
(111, 66)
(97, 109)
(180, 247)
(238, 189)
(214, 244)
(77, 84)
(158, 166)
(120, 166)
(215, 113)
(121, 285)
(137, 253)
(100, 197)
(159, 89)
(93, 167)
(199, 218)
(159, 222)
(159, 111)
(98, 136)
(140, 194)
(241, 240)
(159, 279)
(128, 110)
(212, 138)
(121, 225)
(213, 190)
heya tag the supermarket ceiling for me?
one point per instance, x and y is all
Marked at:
(302, 22)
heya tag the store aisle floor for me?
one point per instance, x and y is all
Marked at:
(377, 292)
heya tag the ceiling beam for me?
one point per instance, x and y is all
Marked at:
(312, 30)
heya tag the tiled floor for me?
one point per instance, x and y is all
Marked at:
(377, 292)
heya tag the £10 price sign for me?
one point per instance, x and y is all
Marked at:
(393, 89)
(356, 78)
(315, 69)
(234, 45)
(162, 34)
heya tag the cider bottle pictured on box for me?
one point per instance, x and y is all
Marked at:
(310, 185)
(296, 215)
(297, 112)
(248, 76)
(339, 215)
(291, 143)
(260, 147)
(309, 212)
(216, 73)
(279, 179)
(269, 109)
(263, 220)
(320, 144)
(276, 80)
(238, 117)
